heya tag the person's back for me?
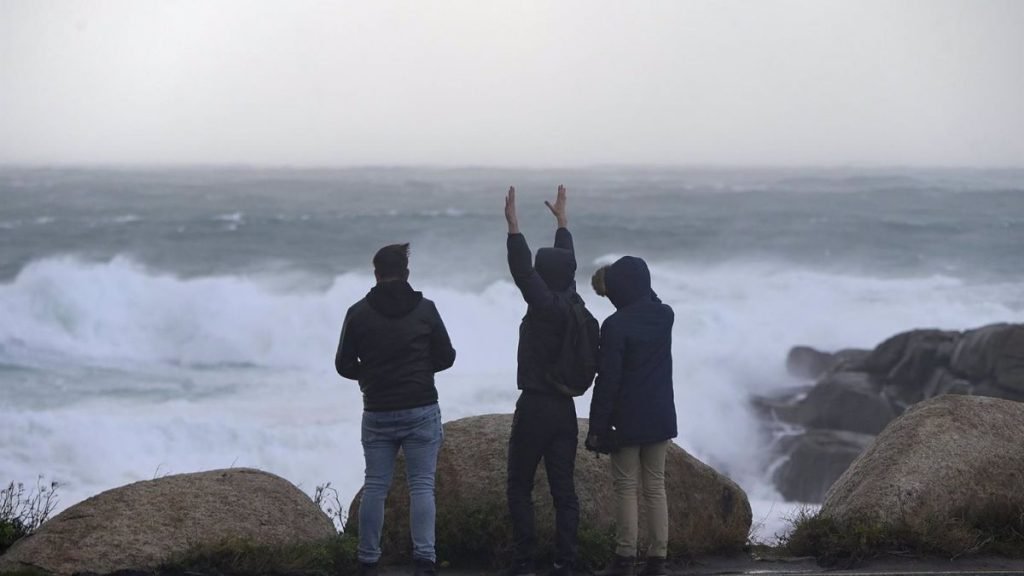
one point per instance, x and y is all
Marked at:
(397, 343)
(632, 413)
(548, 301)
(544, 425)
(392, 342)
(634, 392)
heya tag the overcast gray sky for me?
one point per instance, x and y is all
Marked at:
(809, 82)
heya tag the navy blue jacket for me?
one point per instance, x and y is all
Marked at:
(548, 287)
(633, 392)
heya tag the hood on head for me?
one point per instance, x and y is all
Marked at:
(394, 298)
(627, 280)
(556, 266)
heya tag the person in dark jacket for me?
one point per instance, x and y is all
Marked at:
(544, 425)
(632, 413)
(392, 342)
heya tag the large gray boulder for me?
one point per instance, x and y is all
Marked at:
(974, 356)
(993, 354)
(707, 511)
(925, 351)
(849, 401)
(138, 526)
(808, 363)
(886, 358)
(943, 468)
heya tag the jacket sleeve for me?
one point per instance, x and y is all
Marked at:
(563, 239)
(609, 378)
(346, 361)
(442, 355)
(529, 282)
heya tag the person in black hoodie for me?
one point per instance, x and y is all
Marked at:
(632, 413)
(392, 342)
(544, 425)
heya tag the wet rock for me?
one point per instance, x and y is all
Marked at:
(807, 363)
(814, 460)
(849, 401)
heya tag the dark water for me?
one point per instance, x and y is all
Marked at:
(326, 222)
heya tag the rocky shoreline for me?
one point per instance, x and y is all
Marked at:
(850, 396)
(912, 448)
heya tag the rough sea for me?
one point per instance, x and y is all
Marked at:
(163, 321)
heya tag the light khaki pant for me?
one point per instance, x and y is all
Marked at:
(632, 467)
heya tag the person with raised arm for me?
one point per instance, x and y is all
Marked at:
(544, 425)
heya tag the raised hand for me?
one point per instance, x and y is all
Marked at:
(510, 211)
(558, 208)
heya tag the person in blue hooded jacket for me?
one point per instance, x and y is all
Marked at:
(632, 413)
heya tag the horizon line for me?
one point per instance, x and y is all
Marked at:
(143, 166)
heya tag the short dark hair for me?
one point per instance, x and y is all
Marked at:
(392, 261)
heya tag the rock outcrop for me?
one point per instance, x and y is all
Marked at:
(814, 460)
(707, 511)
(945, 467)
(138, 526)
(861, 391)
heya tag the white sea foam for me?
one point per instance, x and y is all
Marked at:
(231, 221)
(125, 219)
(235, 217)
(239, 370)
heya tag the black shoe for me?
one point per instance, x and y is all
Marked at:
(621, 566)
(655, 566)
(425, 568)
(519, 569)
(367, 569)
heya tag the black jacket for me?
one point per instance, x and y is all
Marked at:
(392, 342)
(548, 287)
(633, 392)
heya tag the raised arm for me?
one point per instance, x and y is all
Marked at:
(563, 239)
(529, 282)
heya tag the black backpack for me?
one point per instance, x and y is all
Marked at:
(574, 368)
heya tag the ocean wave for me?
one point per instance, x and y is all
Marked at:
(272, 340)
(234, 217)
(125, 219)
(122, 310)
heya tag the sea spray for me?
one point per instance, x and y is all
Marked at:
(117, 373)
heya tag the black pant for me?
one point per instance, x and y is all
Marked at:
(544, 426)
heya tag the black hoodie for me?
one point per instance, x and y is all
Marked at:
(392, 342)
(633, 393)
(548, 287)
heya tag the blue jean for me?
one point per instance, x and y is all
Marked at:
(418, 432)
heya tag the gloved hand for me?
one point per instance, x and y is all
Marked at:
(600, 443)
